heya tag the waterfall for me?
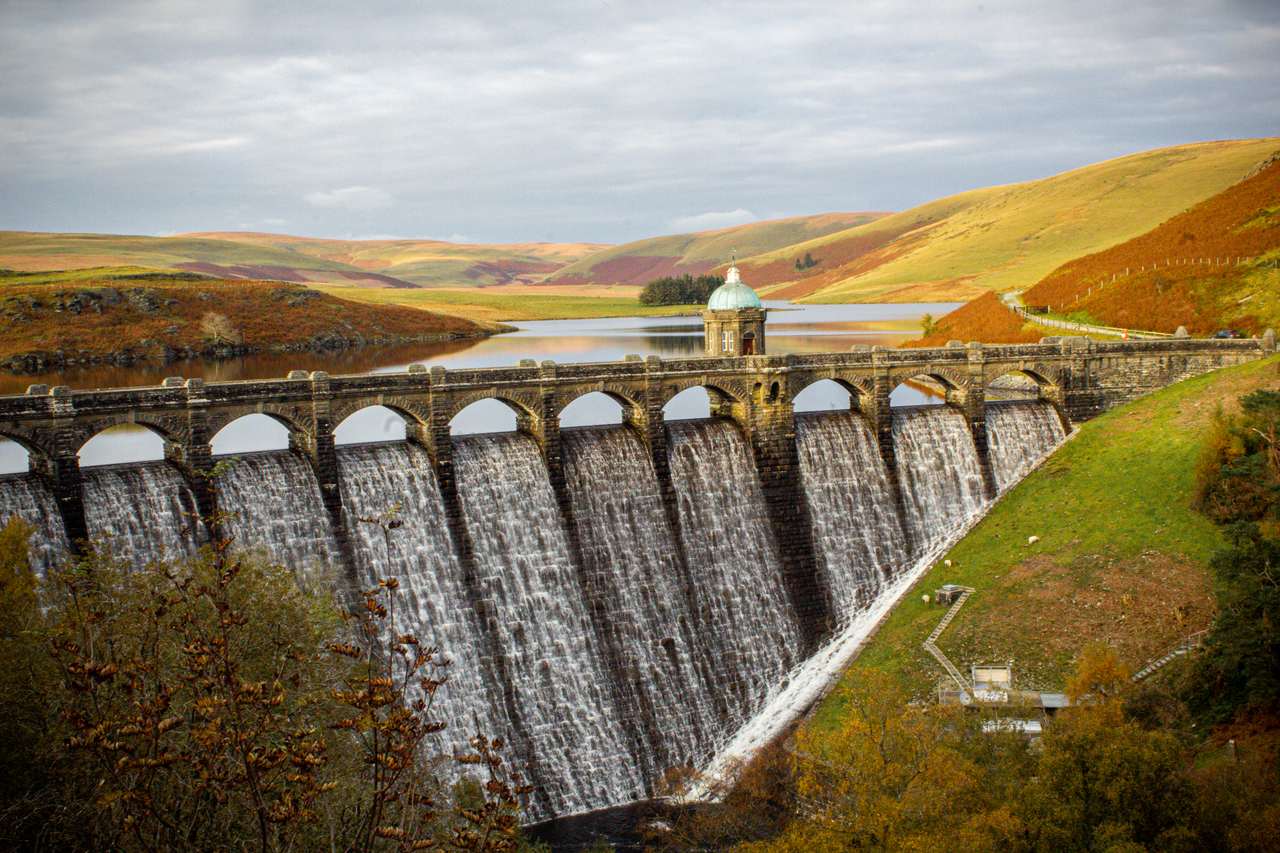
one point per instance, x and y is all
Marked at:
(741, 607)
(559, 693)
(857, 535)
(27, 497)
(433, 601)
(938, 471)
(1020, 434)
(142, 513)
(274, 505)
(633, 573)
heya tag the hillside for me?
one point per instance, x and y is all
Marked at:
(1004, 237)
(1122, 560)
(430, 263)
(985, 319)
(123, 315)
(1210, 267)
(366, 263)
(642, 261)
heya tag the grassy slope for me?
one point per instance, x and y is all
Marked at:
(642, 261)
(432, 262)
(984, 319)
(1003, 238)
(1121, 558)
(94, 313)
(372, 263)
(1161, 294)
(498, 304)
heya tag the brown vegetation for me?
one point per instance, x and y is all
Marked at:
(165, 317)
(985, 319)
(1174, 274)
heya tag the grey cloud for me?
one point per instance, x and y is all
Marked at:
(590, 121)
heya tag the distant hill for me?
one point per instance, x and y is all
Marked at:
(1210, 267)
(1004, 237)
(642, 261)
(370, 263)
(123, 315)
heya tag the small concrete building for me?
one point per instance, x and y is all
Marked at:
(733, 322)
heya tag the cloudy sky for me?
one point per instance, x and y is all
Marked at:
(602, 121)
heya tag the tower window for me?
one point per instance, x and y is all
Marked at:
(726, 342)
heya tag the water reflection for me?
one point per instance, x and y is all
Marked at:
(792, 329)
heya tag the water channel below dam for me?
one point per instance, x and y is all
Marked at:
(618, 638)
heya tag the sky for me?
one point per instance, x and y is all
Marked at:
(590, 121)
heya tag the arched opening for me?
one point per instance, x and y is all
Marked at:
(122, 444)
(825, 395)
(250, 434)
(748, 343)
(688, 404)
(14, 458)
(483, 416)
(372, 423)
(1015, 385)
(922, 390)
(592, 409)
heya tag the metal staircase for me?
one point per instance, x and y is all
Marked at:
(930, 646)
(1187, 644)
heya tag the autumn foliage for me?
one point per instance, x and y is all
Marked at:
(985, 319)
(1174, 274)
(159, 315)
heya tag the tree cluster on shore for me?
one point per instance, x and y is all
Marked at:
(680, 290)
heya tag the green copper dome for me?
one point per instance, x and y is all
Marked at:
(733, 294)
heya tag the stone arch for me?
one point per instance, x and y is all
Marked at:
(860, 395)
(105, 443)
(413, 417)
(625, 397)
(18, 447)
(725, 392)
(951, 380)
(296, 419)
(626, 409)
(295, 435)
(1044, 375)
(526, 415)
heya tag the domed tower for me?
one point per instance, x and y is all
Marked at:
(733, 323)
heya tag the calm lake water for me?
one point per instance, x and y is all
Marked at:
(792, 329)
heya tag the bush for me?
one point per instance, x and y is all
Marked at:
(212, 704)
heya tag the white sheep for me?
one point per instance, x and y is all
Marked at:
(1031, 540)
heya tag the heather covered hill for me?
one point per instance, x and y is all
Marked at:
(985, 319)
(1209, 267)
(642, 261)
(1002, 238)
(124, 315)
(363, 263)
(430, 262)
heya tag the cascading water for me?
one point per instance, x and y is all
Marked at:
(1020, 434)
(632, 570)
(938, 471)
(420, 554)
(143, 513)
(559, 692)
(27, 497)
(275, 506)
(741, 607)
(857, 535)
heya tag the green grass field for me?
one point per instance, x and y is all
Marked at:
(1009, 237)
(1122, 554)
(480, 304)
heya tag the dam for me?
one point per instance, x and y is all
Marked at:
(617, 600)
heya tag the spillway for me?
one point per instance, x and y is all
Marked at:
(27, 497)
(561, 702)
(1019, 434)
(740, 603)
(396, 480)
(939, 471)
(143, 512)
(274, 506)
(858, 537)
(632, 571)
